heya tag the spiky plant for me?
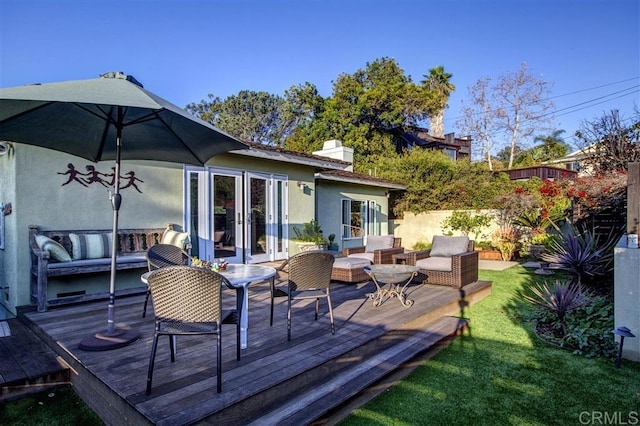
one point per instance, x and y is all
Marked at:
(559, 297)
(580, 252)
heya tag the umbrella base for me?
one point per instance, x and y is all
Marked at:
(104, 342)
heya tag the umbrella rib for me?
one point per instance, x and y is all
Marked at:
(28, 111)
(180, 139)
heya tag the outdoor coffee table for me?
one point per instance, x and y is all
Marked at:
(397, 277)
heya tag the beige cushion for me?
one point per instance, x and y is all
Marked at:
(350, 262)
(377, 242)
(55, 249)
(367, 256)
(90, 246)
(175, 238)
(444, 246)
(435, 264)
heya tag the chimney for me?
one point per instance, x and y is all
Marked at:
(334, 149)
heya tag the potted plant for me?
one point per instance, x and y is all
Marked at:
(310, 237)
(333, 246)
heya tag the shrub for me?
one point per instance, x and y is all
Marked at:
(421, 245)
(310, 232)
(466, 223)
(588, 329)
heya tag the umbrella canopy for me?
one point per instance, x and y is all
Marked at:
(82, 118)
(109, 118)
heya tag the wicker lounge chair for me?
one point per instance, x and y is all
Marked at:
(188, 301)
(379, 249)
(309, 277)
(160, 256)
(451, 261)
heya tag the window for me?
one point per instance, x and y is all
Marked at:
(360, 218)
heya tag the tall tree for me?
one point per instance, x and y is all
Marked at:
(479, 119)
(249, 115)
(509, 112)
(609, 143)
(523, 107)
(439, 85)
(367, 111)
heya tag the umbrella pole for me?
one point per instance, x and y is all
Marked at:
(113, 338)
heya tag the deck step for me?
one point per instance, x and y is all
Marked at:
(366, 365)
(22, 375)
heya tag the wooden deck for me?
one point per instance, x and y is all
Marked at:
(276, 381)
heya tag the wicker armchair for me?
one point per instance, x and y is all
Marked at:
(376, 255)
(455, 270)
(161, 255)
(308, 277)
(188, 301)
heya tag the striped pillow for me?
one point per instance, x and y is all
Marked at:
(55, 249)
(90, 246)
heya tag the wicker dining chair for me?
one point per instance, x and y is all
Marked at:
(188, 301)
(160, 256)
(309, 277)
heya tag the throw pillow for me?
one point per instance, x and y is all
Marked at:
(56, 250)
(90, 246)
(377, 242)
(444, 246)
(175, 238)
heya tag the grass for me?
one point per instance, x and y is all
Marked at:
(501, 373)
(62, 407)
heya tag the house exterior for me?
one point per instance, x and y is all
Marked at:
(242, 206)
(457, 148)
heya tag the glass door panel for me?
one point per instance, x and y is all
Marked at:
(227, 231)
(256, 229)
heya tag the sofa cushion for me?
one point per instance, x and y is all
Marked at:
(100, 261)
(444, 246)
(377, 242)
(175, 238)
(351, 262)
(56, 250)
(435, 264)
(367, 256)
(90, 246)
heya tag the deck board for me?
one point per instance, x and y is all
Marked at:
(184, 391)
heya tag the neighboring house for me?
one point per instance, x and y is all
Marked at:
(573, 161)
(542, 172)
(455, 148)
(243, 206)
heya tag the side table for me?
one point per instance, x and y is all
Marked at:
(394, 276)
(400, 258)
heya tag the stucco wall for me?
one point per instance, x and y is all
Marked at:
(627, 296)
(41, 198)
(329, 202)
(414, 228)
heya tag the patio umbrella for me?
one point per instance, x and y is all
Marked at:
(109, 118)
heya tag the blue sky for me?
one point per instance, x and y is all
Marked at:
(184, 50)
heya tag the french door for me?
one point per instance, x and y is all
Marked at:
(266, 217)
(237, 216)
(214, 207)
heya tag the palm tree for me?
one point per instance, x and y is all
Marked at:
(552, 146)
(438, 83)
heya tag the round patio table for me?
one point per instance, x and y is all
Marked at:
(394, 276)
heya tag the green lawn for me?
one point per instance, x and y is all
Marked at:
(501, 373)
(497, 373)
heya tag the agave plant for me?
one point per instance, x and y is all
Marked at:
(580, 252)
(558, 298)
